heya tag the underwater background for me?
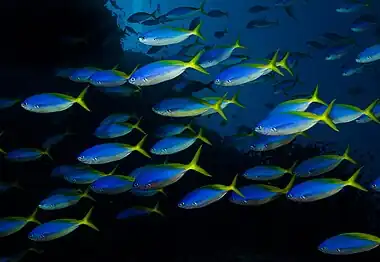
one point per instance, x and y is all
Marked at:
(42, 39)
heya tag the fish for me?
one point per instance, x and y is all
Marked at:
(164, 70)
(300, 104)
(343, 113)
(316, 45)
(151, 177)
(114, 130)
(206, 195)
(217, 13)
(261, 23)
(349, 243)
(5, 186)
(139, 211)
(363, 23)
(220, 34)
(83, 175)
(287, 123)
(63, 199)
(350, 71)
(140, 17)
(259, 194)
(20, 255)
(11, 225)
(319, 165)
(110, 78)
(218, 54)
(337, 52)
(188, 87)
(321, 188)
(8, 102)
(244, 73)
(234, 100)
(110, 152)
(351, 6)
(82, 75)
(285, 86)
(187, 106)
(183, 12)
(169, 35)
(369, 54)
(258, 9)
(173, 129)
(53, 102)
(56, 139)
(117, 118)
(58, 228)
(267, 173)
(112, 185)
(233, 60)
(266, 143)
(61, 171)
(174, 144)
(27, 154)
(365, 119)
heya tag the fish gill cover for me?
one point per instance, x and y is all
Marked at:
(189, 131)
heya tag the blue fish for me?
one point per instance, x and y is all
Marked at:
(369, 55)
(187, 106)
(20, 255)
(321, 188)
(207, 195)
(8, 102)
(53, 102)
(164, 70)
(110, 78)
(173, 129)
(287, 123)
(5, 186)
(119, 91)
(343, 113)
(138, 211)
(119, 129)
(212, 100)
(63, 199)
(87, 175)
(147, 193)
(349, 243)
(337, 52)
(112, 185)
(59, 228)
(26, 154)
(266, 173)
(259, 194)
(82, 75)
(366, 119)
(117, 118)
(351, 6)
(11, 225)
(183, 12)
(319, 165)
(159, 176)
(110, 152)
(174, 144)
(267, 143)
(61, 171)
(56, 139)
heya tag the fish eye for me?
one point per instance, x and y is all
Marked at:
(217, 81)
(155, 39)
(132, 79)
(94, 159)
(194, 203)
(98, 82)
(374, 186)
(181, 204)
(290, 196)
(265, 145)
(369, 57)
(148, 186)
(338, 250)
(259, 128)
(303, 197)
(145, 80)
(273, 129)
(244, 202)
(229, 81)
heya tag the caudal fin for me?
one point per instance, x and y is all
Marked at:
(193, 63)
(80, 100)
(193, 165)
(352, 181)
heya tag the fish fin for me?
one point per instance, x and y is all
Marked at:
(202, 7)
(115, 67)
(368, 111)
(193, 165)
(233, 186)
(137, 126)
(325, 117)
(238, 44)
(193, 63)
(87, 195)
(352, 180)
(303, 134)
(347, 157)
(218, 106)
(80, 100)
(201, 137)
(86, 220)
(290, 170)
(47, 153)
(189, 126)
(289, 185)
(2, 151)
(284, 64)
(157, 210)
(197, 31)
(272, 65)
(133, 71)
(32, 217)
(139, 148)
(162, 191)
(315, 98)
(235, 100)
(290, 12)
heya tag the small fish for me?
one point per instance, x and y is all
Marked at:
(110, 152)
(114, 130)
(337, 52)
(169, 35)
(116, 118)
(349, 243)
(261, 23)
(259, 194)
(59, 228)
(63, 199)
(285, 86)
(183, 12)
(110, 78)
(266, 143)
(112, 185)
(188, 87)
(164, 70)
(321, 188)
(139, 211)
(187, 106)
(350, 71)
(218, 54)
(343, 113)
(220, 34)
(26, 154)
(266, 173)
(234, 60)
(83, 175)
(287, 123)
(53, 102)
(61, 171)
(82, 75)
(300, 104)
(319, 165)
(159, 176)
(173, 129)
(194, 23)
(140, 17)
(258, 9)
(217, 13)
(20, 255)
(174, 144)
(207, 195)
(154, 49)
(5, 186)
(11, 225)
(56, 139)
(351, 6)
(363, 23)
(8, 102)
(369, 55)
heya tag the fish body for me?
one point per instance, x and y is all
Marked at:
(113, 130)
(172, 130)
(108, 78)
(239, 74)
(112, 185)
(8, 102)
(132, 212)
(172, 145)
(82, 75)
(369, 55)
(255, 195)
(215, 56)
(180, 107)
(264, 173)
(83, 176)
(11, 225)
(25, 154)
(351, 7)
(59, 201)
(104, 153)
(116, 118)
(267, 143)
(202, 197)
